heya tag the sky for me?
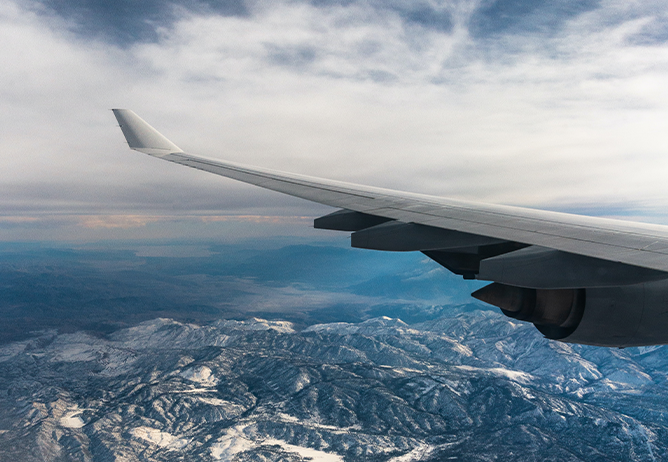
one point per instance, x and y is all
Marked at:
(549, 104)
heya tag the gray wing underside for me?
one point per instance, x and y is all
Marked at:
(631, 243)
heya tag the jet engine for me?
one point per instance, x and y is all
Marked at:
(555, 312)
(577, 299)
(632, 315)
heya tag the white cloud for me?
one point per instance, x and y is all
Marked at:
(571, 119)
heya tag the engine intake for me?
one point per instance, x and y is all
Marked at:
(556, 313)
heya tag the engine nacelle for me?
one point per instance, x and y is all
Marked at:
(632, 315)
(555, 312)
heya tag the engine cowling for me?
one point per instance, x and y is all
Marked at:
(631, 315)
(555, 312)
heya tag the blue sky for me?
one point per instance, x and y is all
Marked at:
(552, 104)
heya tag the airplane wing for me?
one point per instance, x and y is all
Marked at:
(637, 244)
(537, 259)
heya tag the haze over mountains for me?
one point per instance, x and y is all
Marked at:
(297, 352)
(104, 287)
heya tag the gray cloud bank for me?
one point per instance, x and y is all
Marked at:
(533, 103)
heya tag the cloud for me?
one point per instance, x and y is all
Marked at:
(224, 229)
(124, 22)
(525, 16)
(566, 113)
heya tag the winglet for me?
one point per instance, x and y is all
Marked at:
(141, 136)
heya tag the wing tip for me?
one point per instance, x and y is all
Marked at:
(141, 136)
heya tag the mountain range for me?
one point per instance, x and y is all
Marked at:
(295, 363)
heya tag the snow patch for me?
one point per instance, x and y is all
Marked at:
(461, 349)
(341, 328)
(517, 376)
(283, 327)
(76, 347)
(316, 425)
(72, 419)
(233, 442)
(195, 390)
(217, 402)
(159, 438)
(370, 326)
(200, 374)
(306, 453)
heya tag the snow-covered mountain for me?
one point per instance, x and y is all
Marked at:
(470, 386)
